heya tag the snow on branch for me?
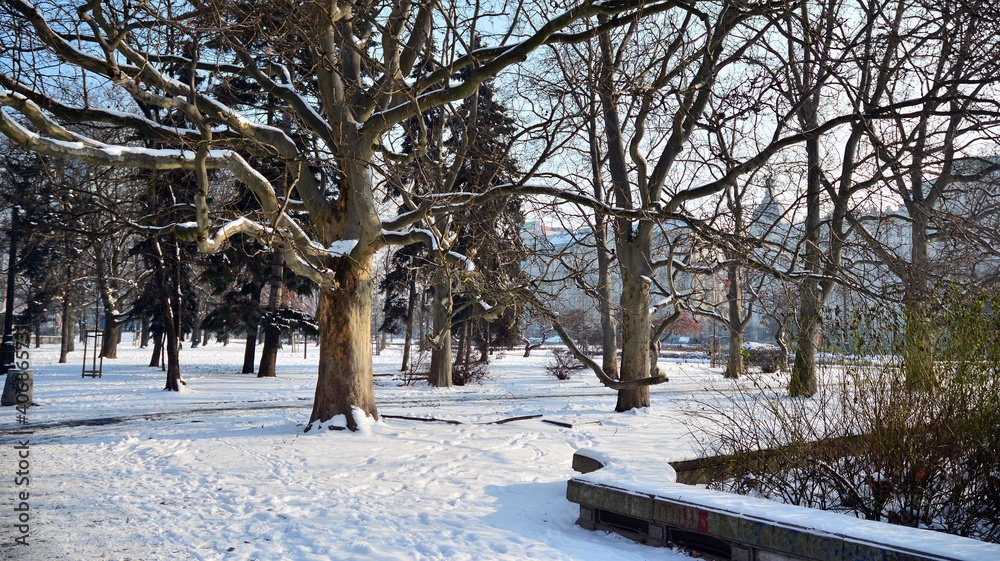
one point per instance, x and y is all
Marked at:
(302, 108)
(308, 257)
(216, 241)
(420, 235)
(87, 150)
(140, 68)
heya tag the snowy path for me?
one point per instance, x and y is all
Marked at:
(223, 471)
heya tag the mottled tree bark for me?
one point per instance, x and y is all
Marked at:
(636, 318)
(441, 353)
(345, 360)
(112, 333)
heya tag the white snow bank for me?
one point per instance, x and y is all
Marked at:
(640, 477)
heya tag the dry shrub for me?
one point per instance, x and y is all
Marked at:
(871, 445)
(463, 374)
(767, 358)
(563, 365)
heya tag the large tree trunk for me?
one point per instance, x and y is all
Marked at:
(112, 333)
(345, 361)
(346, 384)
(735, 366)
(636, 318)
(634, 244)
(269, 354)
(144, 332)
(272, 337)
(918, 349)
(441, 355)
(803, 380)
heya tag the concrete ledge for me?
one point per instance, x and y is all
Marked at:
(645, 503)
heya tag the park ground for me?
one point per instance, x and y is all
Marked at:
(120, 469)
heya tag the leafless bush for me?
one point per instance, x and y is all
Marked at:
(872, 445)
(472, 373)
(766, 358)
(418, 368)
(563, 365)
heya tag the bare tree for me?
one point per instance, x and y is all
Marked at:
(656, 93)
(953, 59)
(119, 279)
(819, 45)
(664, 105)
(339, 70)
(574, 83)
(904, 69)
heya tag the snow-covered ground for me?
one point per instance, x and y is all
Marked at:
(222, 470)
